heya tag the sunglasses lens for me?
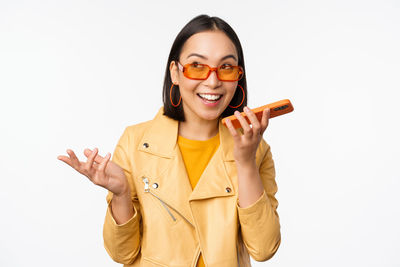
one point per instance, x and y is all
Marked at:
(197, 71)
(229, 73)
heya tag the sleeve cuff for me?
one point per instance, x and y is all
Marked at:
(260, 202)
(114, 223)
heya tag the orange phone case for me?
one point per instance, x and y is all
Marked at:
(276, 109)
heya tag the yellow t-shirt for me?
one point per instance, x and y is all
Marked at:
(196, 154)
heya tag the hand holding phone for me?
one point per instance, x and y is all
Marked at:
(276, 109)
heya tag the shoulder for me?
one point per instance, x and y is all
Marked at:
(135, 132)
(136, 129)
(263, 152)
(264, 146)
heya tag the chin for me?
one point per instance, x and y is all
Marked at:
(210, 115)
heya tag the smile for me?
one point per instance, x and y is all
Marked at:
(210, 97)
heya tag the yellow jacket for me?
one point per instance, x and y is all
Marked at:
(171, 223)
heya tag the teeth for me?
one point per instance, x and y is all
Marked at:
(210, 97)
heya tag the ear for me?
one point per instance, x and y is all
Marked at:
(173, 69)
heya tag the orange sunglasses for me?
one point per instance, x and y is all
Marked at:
(225, 72)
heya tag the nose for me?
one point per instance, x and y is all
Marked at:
(212, 80)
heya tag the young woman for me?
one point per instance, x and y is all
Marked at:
(184, 189)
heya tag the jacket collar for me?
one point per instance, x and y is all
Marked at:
(163, 135)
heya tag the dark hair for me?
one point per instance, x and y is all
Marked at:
(198, 24)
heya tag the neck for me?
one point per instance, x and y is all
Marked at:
(197, 128)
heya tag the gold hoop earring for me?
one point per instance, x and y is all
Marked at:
(170, 96)
(242, 98)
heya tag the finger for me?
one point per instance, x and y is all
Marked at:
(87, 152)
(90, 160)
(232, 130)
(256, 127)
(265, 119)
(74, 160)
(246, 127)
(104, 162)
(65, 159)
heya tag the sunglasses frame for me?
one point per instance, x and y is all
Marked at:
(210, 69)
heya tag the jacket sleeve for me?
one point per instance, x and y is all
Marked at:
(259, 222)
(122, 241)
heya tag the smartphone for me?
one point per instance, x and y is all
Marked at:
(276, 109)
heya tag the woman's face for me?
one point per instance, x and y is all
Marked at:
(213, 48)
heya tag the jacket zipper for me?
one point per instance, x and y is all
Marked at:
(165, 205)
(147, 190)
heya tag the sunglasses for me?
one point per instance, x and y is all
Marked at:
(225, 72)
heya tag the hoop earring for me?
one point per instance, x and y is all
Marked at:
(242, 98)
(170, 96)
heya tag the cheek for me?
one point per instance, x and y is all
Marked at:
(188, 87)
(231, 91)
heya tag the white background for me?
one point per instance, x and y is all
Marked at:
(74, 74)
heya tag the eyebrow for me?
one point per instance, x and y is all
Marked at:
(225, 57)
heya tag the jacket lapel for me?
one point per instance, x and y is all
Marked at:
(215, 181)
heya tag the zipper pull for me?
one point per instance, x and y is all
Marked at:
(146, 184)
